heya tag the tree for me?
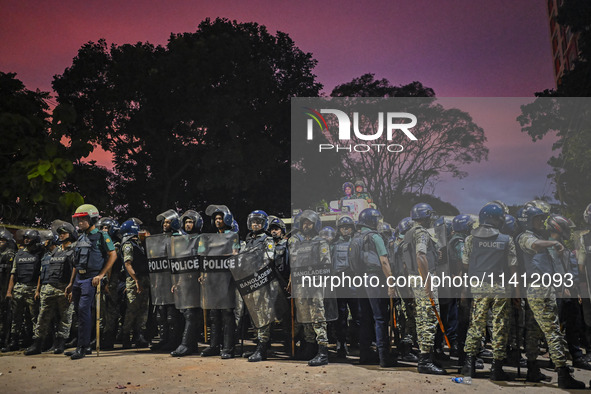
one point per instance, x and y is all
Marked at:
(36, 167)
(203, 120)
(446, 140)
(558, 112)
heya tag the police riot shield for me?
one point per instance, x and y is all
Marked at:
(159, 265)
(217, 253)
(258, 284)
(185, 271)
(314, 300)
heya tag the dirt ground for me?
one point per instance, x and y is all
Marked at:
(130, 371)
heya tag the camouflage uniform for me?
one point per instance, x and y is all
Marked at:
(317, 330)
(54, 303)
(407, 305)
(494, 298)
(6, 261)
(23, 299)
(136, 314)
(264, 333)
(543, 307)
(426, 322)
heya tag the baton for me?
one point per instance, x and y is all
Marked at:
(292, 332)
(98, 318)
(205, 325)
(437, 316)
(516, 313)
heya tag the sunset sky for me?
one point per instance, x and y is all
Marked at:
(460, 48)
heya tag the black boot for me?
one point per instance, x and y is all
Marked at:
(342, 350)
(12, 345)
(386, 358)
(534, 374)
(214, 343)
(440, 355)
(368, 357)
(479, 363)
(582, 363)
(140, 342)
(60, 344)
(79, 353)
(189, 343)
(72, 343)
(566, 381)
(469, 368)
(229, 331)
(321, 358)
(406, 351)
(108, 341)
(426, 365)
(35, 347)
(455, 349)
(126, 341)
(497, 373)
(260, 353)
(53, 345)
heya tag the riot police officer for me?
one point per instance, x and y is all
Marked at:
(542, 300)
(489, 252)
(95, 255)
(137, 284)
(421, 257)
(23, 284)
(372, 262)
(192, 224)
(7, 251)
(56, 274)
(347, 302)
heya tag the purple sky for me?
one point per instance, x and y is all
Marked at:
(460, 48)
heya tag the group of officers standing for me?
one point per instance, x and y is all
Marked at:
(181, 278)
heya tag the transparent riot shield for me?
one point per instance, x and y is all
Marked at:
(314, 300)
(218, 255)
(159, 266)
(259, 286)
(185, 271)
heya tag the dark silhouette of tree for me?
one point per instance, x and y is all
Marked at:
(205, 119)
(557, 111)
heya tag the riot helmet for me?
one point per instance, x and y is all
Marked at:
(32, 235)
(328, 233)
(259, 217)
(224, 211)
(170, 218)
(274, 221)
(510, 226)
(561, 225)
(540, 204)
(462, 224)
(235, 227)
(385, 230)
(442, 221)
(370, 218)
(493, 215)
(530, 213)
(108, 225)
(404, 225)
(313, 218)
(61, 227)
(422, 211)
(501, 204)
(195, 217)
